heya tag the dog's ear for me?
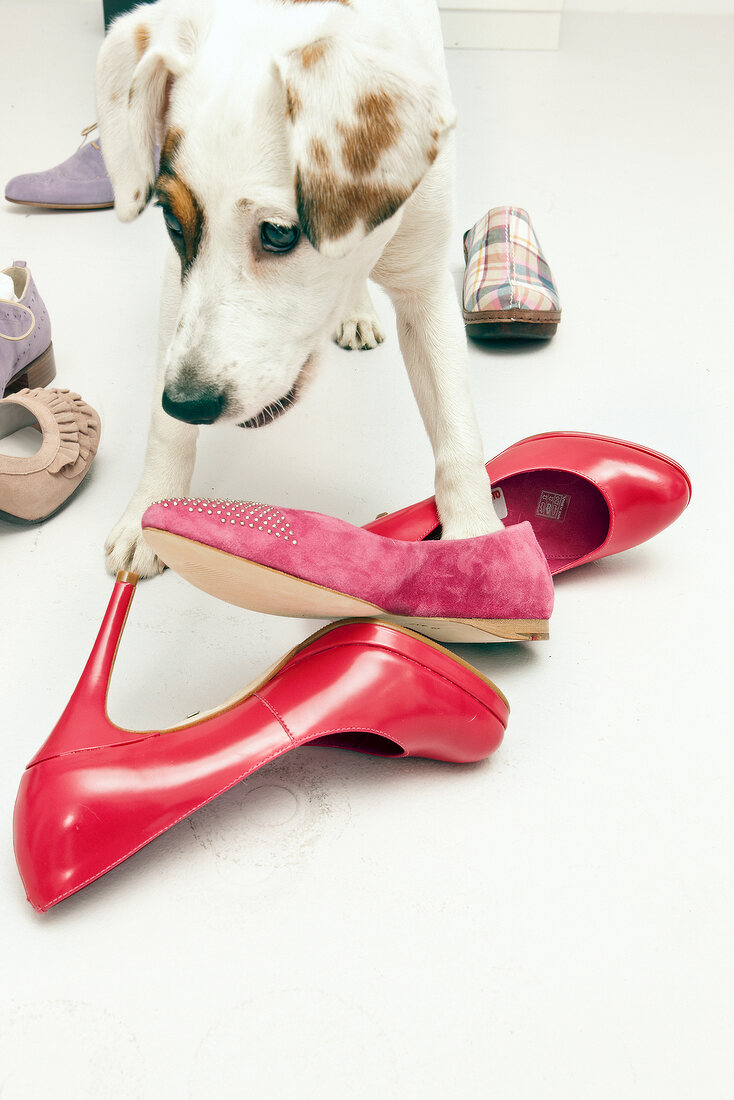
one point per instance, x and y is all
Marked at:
(365, 129)
(142, 55)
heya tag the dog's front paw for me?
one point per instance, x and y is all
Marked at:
(359, 332)
(126, 548)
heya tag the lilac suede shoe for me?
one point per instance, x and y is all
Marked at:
(495, 588)
(78, 183)
(26, 351)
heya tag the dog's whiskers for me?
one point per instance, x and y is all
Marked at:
(276, 408)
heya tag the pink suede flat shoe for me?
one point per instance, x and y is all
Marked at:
(496, 588)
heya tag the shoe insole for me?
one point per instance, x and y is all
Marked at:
(568, 514)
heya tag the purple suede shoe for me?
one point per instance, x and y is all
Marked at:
(79, 183)
(495, 588)
(26, 351)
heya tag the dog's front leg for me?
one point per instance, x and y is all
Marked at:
(169, 458)
(433, 344)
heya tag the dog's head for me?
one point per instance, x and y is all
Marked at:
(286, 154)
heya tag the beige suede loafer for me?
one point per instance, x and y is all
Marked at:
(34, 486)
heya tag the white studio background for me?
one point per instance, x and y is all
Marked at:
(652, 7)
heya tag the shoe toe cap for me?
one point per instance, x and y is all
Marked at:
(31, 187)
(58, 187)
(651, 496)
(504, 296)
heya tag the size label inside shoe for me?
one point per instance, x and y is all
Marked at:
(500, 505)
(552, 505)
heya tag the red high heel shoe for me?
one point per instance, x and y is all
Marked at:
(96, 793)
(586, 496)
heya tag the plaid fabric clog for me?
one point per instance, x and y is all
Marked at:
(508, 286)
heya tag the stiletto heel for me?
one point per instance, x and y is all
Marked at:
(95, 793)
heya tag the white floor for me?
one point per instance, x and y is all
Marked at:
(554, 923)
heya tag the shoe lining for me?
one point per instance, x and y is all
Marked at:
(569, 515)
(20, 277)
(18, 439)
(372, 743)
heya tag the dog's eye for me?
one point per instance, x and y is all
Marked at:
(173, 224)
(278, 238)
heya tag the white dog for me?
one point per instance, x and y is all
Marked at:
(305, 144)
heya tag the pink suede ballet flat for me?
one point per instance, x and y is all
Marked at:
(285, 562)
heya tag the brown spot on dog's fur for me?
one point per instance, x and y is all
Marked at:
(177, 197)
(328, 209)
(376, 129)
(137, 195)
(318, 153)
(167, 95)
(292, 102)
(169, 149)
(432, 152)
(183, 204)
(313, 53)
(142, 39)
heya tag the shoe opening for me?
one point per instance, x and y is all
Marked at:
(372, 743)
(21, 434)
(569, 515)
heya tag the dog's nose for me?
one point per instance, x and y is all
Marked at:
(195, 406)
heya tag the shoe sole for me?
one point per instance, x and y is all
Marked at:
(36, 375)
(522, 324)
(21, 521)
(260, 588)
(63, 205)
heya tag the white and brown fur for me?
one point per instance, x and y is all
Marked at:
(335, 116)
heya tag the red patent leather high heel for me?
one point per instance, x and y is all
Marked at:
(95, 793)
